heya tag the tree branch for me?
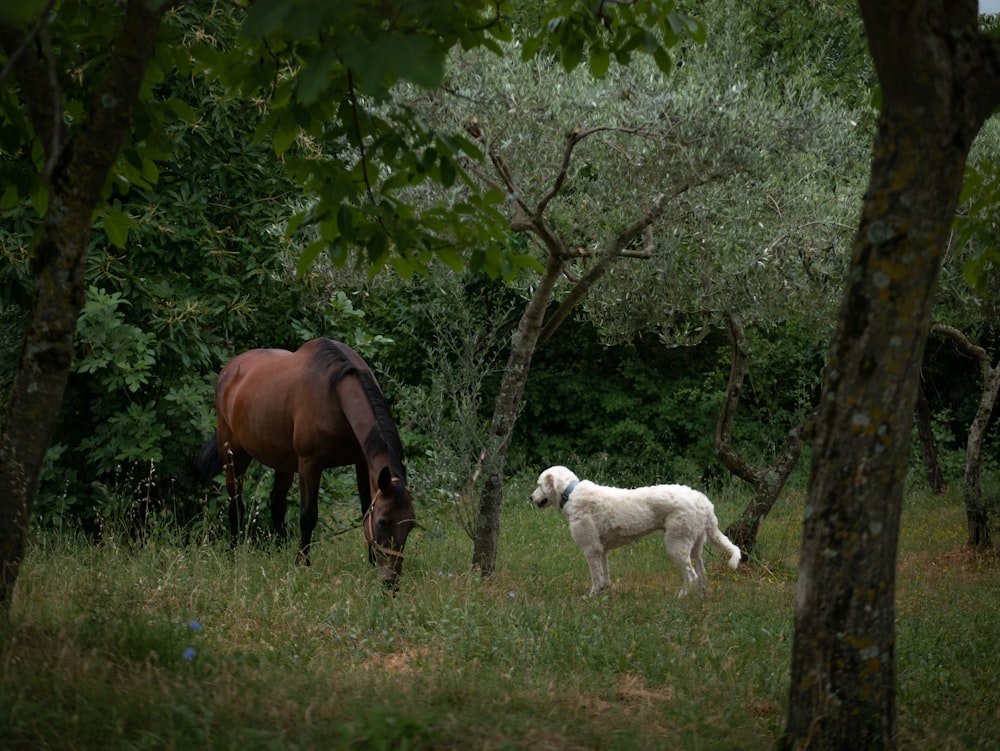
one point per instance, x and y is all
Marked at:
(730, 457)
(34, 67)
(614, 250)
(974, 351)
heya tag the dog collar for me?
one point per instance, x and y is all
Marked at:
(564, 498)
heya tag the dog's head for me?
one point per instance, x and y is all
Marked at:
(551, 483)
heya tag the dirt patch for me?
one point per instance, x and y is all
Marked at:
(401, 663)
(963, 560)
(631, 690)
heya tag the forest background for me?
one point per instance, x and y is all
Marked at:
(767, 125)
(689, 226)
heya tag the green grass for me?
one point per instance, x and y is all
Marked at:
(171, 646)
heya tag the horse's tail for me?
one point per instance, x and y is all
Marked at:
(716, 536)
(205, 463)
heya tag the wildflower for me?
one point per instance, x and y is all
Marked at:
(510, 595)
(189, 653)
(194, 625)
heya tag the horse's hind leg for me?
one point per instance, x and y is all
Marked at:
(279, 504)
(236, 463)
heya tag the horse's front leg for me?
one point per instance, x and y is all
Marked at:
(365, 494)
(308, 510)
(279, 504)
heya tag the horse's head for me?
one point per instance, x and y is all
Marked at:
(387, 523)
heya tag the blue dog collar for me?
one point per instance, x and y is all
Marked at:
(564, 498)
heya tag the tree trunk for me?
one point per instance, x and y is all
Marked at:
(767, 483)
(505, 412)
(976, 513)
(939, 83)
(928, 447)
(79, 172)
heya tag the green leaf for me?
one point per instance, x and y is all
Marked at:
(328, 230)
(663, 61)
(264, 16)
(181, 110)
(315, 76)
(39, 197)
(447, 172)
(309, 254)
(451, 258)
(530, 48)
(600, 61)
(345, 222)
(572, 55)
(337, 252)
(377, 247)
(683, 25)
(116, 225)
(417, 59)
(9, 198)
(973, 270)
(20, 11)
(285, 133)
(150, 171)
(295, 222)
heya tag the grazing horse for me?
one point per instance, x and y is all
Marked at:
(306, 411)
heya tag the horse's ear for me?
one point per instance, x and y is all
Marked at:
(384, 479)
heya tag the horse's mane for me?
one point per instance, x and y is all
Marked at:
(383, 437)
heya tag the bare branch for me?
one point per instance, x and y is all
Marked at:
(352, 95)
(974, 351)
(574, 137)
(615, 249)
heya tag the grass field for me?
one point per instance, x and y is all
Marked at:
(166, 646)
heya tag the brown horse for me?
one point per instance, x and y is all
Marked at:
(306, 411)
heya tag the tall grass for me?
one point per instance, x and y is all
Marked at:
(167, 645)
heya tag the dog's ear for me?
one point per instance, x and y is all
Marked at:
(548, 483)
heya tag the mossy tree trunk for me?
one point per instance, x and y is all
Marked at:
(77, 169)
(940, 80)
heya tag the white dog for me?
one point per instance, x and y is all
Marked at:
(602, 518)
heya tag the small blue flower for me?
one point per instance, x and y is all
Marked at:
(189, 653)
(194, 625)
(510, 595)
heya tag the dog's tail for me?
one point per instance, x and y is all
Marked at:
(724, 542)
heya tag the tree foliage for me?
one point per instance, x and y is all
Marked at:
(84, 123)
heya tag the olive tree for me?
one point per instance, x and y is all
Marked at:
(758, 252)
(940, 80)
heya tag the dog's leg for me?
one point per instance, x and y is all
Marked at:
(597, 559)
(699, 564)
(680, 552)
